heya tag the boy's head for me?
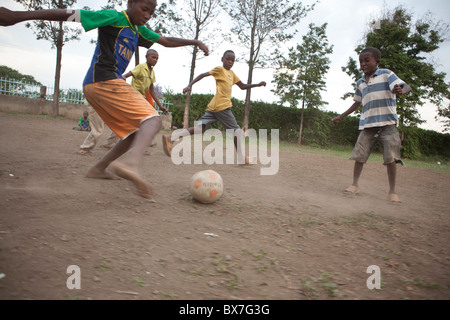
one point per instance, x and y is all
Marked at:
(369, 58)
(85, 114)
(140, 11)
(228, 59)
(152, 57)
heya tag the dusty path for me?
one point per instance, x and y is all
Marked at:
(290, 236)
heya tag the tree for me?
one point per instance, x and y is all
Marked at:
(12, 74)
(300, 77)
(261, 27)
(199, 15)
(404, 46)
(444, 112)
(56, 32)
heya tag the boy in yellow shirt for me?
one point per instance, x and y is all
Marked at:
(144, 78)
(219, 108)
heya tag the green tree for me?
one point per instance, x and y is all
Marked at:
(300, 76)
(12, 74)
(444, 112)
(56, 32)
(404, 46)
(262, 26)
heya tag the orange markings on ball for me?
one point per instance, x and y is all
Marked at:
(206, 186)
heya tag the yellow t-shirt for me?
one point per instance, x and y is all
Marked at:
(142, 78)
(225, 79)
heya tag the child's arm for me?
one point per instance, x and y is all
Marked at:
(350, 110)
(126, 75)
(403, 89)
(244, 86)
(198, 78)
(155, 97)
(9, 17)
(171, 42)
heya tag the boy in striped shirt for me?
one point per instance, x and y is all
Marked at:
(376, 91)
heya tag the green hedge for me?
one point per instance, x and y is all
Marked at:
(318, 129)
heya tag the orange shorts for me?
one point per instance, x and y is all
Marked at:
(149, 98)
(120, 106)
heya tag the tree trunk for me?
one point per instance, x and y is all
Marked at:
(136, 56)
(245, 122)
(300, 132)
(251, 65)
(59, 46)
(191, 77)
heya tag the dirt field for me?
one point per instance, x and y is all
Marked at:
(291, 236)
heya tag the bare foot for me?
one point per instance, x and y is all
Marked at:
(248, 161)
(142, 187)
(167, 144)
(94, 173)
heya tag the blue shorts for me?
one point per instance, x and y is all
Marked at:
(225, 117)
(368, 138)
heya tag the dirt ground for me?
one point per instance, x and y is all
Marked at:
(290, 236)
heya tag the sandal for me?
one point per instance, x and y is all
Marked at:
(352, 190)
(394, 199)
(85, 152)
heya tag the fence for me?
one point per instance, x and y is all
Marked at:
(35, 91)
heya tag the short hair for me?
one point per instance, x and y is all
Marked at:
(228, 51)
(150, 50)
(374, 51)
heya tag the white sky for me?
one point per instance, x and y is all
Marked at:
(347, 23)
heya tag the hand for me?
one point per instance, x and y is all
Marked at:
(204, 48)
(397, 90)
(164, 110)
(7, 17)
(262, 84)
(337, 119)
(187, 89)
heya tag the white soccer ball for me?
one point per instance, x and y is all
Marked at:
(206, 186)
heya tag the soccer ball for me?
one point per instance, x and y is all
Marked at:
(206, 186)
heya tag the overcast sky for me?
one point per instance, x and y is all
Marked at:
(347, 22)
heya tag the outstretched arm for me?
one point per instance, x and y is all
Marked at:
(171, 42)
(350, 110)
(244, 86)
(155, 97)
(198, 78)
(9, 17)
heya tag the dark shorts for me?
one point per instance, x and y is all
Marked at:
(368, 138)
(225, 117)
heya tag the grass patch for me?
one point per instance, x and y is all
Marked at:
(37, 116)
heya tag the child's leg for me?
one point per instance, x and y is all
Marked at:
(147, 131)
(357, 173)
(130, 116)
(129, 167)
(98, 171)
(391, 155)
(206, 120)
(360, 154)
(392, 173)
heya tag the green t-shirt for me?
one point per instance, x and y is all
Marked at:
(116, 44)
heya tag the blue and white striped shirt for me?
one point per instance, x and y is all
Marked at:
(377, 99)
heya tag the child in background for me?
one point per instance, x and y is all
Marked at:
(83, 123)
(144, 78)
(219, 108)
(376, 92)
